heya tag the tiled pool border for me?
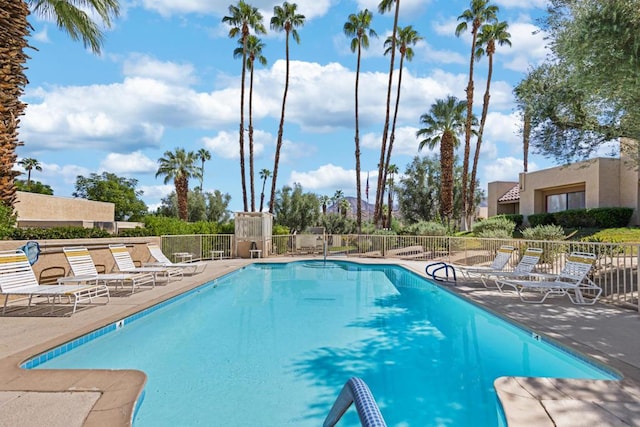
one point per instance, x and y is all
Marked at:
(68, 346)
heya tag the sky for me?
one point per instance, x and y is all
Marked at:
(167, 79)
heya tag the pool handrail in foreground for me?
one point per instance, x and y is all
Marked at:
(356, 391)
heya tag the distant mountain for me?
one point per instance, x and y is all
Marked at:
(367, 208)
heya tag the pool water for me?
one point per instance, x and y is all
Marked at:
(273, 344)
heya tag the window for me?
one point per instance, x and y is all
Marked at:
(565, 201)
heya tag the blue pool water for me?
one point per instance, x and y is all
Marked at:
(273, 344)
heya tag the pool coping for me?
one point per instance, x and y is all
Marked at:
(526, 401)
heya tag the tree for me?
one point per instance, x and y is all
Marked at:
(419, 190)
(478, 14)
(243, 18)
(33, 187)
(201, 206)
(405, 38)
(73, 17)
(109, 187)
(489, 35)
(442, 126)
(392, 170)
(295, 209)
(386, 6)
(324, 202)
(29, 164)
(264, 175)
(204, 155)
(587, 93)
(253, 50)
(285, 18)
(358, 26)
(344, 207)
(337, 197)
(179, 166)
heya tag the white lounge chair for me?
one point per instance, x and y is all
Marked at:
(522, 270)
(17, 278)
(125, 264)
(572, 281)
(498, 264)
(163, 261)
(82, 265)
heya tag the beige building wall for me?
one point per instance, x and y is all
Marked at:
(496, 190)
(32, 207)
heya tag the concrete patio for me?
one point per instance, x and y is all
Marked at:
(104, 397)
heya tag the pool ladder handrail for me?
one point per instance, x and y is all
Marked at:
(437, 266)
(356, 391)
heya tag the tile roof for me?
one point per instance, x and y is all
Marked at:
(512, 195)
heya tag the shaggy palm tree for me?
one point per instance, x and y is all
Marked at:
(392, 170)
(358, 27)
(264, 175)
(442, 126)
(243, 18)
(386, 6)
(29, 164)
(405, 38)
(285, 18)
(489, 35)
(478, 14)
(324, 202)
(73, 17)
(179, 166)
(254, 51)
(204, 155)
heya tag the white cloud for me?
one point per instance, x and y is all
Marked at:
(138, 65)
(135, 162)
(528, 47)
(407, 7)
(504, 128)
(329, 178)
(156, 192)
(226, 145)
(522, 4)
(42, 36)
(505, 169)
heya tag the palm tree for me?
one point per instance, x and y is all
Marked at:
(253, 51)
(337, 197)
(324, 201)
(243, 18)
(29, 164)
(204, 155)
(392, 170)
(344, 207)
(73, 17)
(179, 166)
(285, 18)
(358, 27)
(264, 175)
(385, 6)
(478, 14)
(442, 125)
(488, 36)
(405, 38)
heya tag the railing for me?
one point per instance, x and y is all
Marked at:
(616, 269)
(356, 391)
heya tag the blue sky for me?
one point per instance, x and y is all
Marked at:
(167, 78)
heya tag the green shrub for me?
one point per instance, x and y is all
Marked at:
(134, 232)
(515, 218)
(7, 221)
(280, 230)
(496, 225)
(543, 232)
(59, 233)
(496, 234)
(540, 219)
(584, 218)
(425, 228)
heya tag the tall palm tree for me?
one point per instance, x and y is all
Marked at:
(478, 14)
(489, 35)
(29, 164)
(264, 175)
(405, 38)
(358, 26)
(337, 197)
(442, 126)
(386, 6)
(204, 155)
(71, 16)
(243, 18)
(254, 51)
(391, 170)
(344, 207)
(324, 201)
(179, 166)
(285, 18)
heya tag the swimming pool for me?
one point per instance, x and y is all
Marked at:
(273, 344)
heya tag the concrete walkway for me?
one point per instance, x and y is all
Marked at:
(103, 397)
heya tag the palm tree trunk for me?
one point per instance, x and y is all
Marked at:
(264, 182)
(526, 133)
(242, 169)
(357, 142)
(467, 128)
(14, 31)
(280, 129)
(182, 191)
(476, 157)
(446, 164)
(383, 148)
(390, 203)
(251, 170)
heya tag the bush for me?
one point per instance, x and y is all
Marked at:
(494, 226)
(543, 232)
(584, 218)
(59, 233)
(134, 232)
(7, 221)
(540, 219)
(425, 228)
(515, 218)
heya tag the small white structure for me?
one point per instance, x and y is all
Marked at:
(253, 231)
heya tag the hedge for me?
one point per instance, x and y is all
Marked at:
(584, 218)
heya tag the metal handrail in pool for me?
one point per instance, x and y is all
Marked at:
(356, 390)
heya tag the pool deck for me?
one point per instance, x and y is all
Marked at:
(68, 398)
